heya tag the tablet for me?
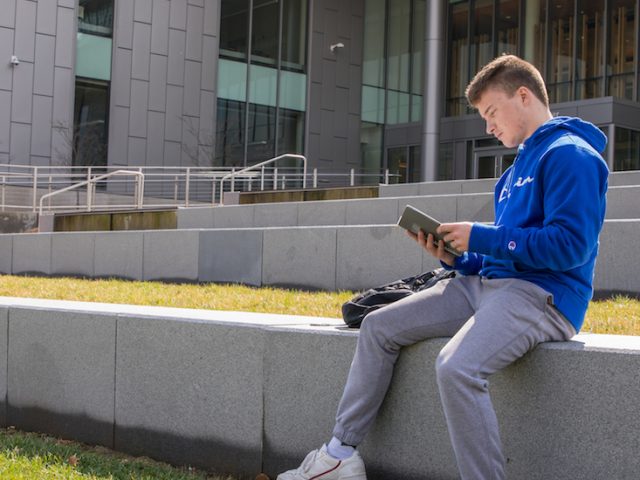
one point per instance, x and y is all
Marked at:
(414, 220)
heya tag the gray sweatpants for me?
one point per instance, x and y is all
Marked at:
(493, 322)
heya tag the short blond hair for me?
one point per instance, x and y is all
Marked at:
(507, 73)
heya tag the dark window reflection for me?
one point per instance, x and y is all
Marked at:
(96, 17)
(90, 132)
(234, 24)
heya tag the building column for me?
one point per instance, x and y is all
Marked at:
(434, 51)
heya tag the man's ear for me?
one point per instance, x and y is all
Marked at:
(524, 94)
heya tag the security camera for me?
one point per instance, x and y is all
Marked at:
(336, 45)
(14, 60)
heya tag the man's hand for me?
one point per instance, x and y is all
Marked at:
(435, 249)
(457, 234)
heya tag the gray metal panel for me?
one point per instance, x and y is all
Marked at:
(207, 117)
(195, 26)
(142, 11)
(8, 17)
(328, 101)
(212, 20)
(5, 121)
(44, 68)
(190, 129)
(192, 78)
(41, 126)
(20, 143)
(66, 38)
(6, 253)
(178, 15)
(160, 27)
(67, 3)
(158, 83)
(22, 93)
(123, 34)
(155, 139)
(172, 154)
(173, 124)
(141, 51)
(121, 78)
(61, 373)
(138, 110)
(137, 153)
(119, 136)
(46, 21)
(6, 50)
(177, 39)
(209, 63)
(25, 32)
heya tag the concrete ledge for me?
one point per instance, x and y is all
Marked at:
(229, 392)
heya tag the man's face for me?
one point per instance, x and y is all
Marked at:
(506, 116)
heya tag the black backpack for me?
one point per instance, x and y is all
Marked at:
(354, 311)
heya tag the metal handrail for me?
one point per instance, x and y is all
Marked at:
(91, 190)
(261, 165)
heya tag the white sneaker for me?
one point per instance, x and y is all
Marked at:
(318, 464)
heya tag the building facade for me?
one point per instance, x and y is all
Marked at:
(360, 84)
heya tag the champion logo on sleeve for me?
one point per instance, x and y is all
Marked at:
(512, 245)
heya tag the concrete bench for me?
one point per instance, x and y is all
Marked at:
(242, 393)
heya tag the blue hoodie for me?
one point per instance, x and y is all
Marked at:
(549, 210)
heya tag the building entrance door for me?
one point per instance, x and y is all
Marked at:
(492, 163)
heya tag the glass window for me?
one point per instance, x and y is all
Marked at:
(627, 149)
(398, 45)
(561, 28)
(261, 135)
(93, 57)
(482, 45)
(234, 25)
(415, 170)
(507, 26)
(232, 80)
(397, 164)
(458, 68)
(293, 90)
(622, 48)
(90, 123)
(417, 65)
(590, 38)
(373, 66)
(264, 38)
(371, 148)
(445, 161)
(372, 104)
(291, 132)
(262, 86)
(95, 17)
(294, 34)
(229, 133)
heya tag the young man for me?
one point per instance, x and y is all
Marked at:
(524, 280)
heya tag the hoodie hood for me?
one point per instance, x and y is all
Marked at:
(585, 130)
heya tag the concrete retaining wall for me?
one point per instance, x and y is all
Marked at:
(476, 207)
(243, 393)
(329, 258)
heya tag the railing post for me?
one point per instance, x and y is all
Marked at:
(315, 178)
(35, 188)
(386, 177)
(275, 178)
(4, 181)
(352, 180)
(213, 191)
(187, 187)
(233, 180)
(175, 189)
(262, 179)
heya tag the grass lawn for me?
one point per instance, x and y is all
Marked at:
(619, 315)
(29, 456)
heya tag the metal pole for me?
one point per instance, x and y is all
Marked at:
(187, 187)
(386, 177)
(35, 188)
(352, 180)
(262, 179)
(275, 178)
(4, 180)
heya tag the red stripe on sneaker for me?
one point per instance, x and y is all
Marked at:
(328, 471)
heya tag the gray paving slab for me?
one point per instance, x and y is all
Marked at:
(618, 264)
(201, 217)
(233, 216)
(230, 256)
(328, 212)
(190, 393)
(440, 207)
(170, 255)
(6, 253)
(374, 211)
(475, 207)
(275, 214)
(32, 253)
(300, 257)
(369, 256)
(73, 254)
(119, 254)
(623, 202)
(61, 373)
